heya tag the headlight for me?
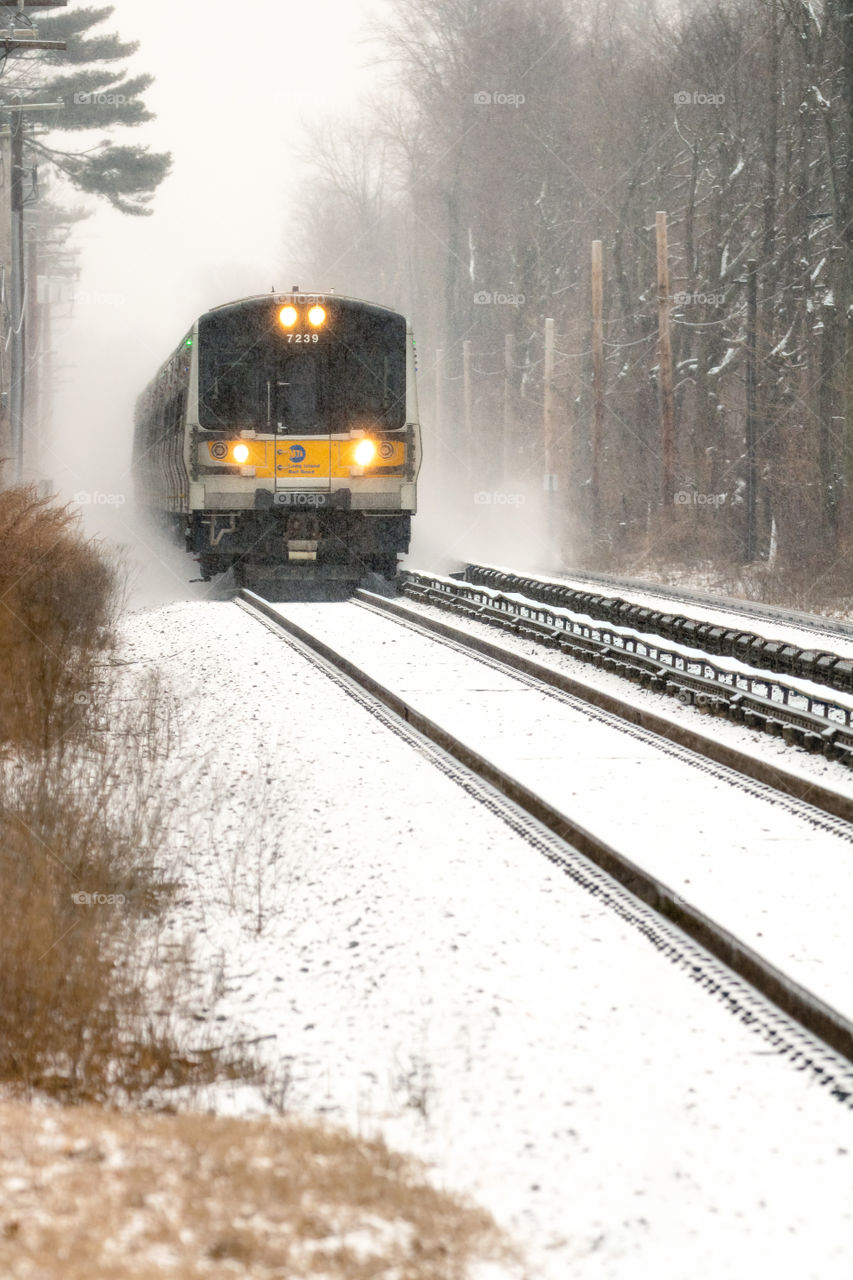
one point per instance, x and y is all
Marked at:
(365, 452)
(288, 316)
(317, 315)
(241, 452)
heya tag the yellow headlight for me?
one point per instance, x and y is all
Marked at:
(365, 451)
(241, 452)
(316, 315)
(288, 316)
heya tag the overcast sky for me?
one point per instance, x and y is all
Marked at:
(236, 85)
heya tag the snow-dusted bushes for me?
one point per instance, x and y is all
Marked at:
(85, 791)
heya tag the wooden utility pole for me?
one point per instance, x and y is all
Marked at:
(16, 291)
(439, 390)
(751, 406)
(509, 407)
(439, 417)
(667, 396)
(597, 381)
(550, 475)
(468, 402)
(32, 310)
(15, 39)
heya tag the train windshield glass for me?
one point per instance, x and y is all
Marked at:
(255, 376)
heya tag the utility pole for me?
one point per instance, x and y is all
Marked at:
(509, 380)
(667, 397)
(16, 282)
(32, 398)
(468, 403)
(14, 39)
(751, 406)
(550, 475)
(439, 417)
(597, 382)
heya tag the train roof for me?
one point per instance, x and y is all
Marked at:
(303, 295)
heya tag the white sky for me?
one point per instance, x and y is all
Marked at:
(235, 86)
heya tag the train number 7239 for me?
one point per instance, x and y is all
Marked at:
(303, 337)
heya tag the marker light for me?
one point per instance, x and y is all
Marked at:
(241, 452)
(288, 316)
(317, 315)
(365, 451)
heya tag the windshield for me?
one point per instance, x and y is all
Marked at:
(254, 375)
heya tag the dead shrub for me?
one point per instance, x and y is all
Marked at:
(82, 883)
(85, 792)
(97, 1196)
(58, 600)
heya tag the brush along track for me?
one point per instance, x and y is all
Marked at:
(800, 716)
(674, 926)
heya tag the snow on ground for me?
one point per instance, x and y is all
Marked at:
(734, 849)
(425, 973)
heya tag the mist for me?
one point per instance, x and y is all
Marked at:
(234, 92)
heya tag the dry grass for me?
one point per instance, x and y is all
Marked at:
(85, 793)
(94, 1195)
(78, 978)
(58, 600)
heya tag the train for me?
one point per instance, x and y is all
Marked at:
(280, 440)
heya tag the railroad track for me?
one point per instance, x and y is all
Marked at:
(707, 951)
(802, 715)
(811, 624)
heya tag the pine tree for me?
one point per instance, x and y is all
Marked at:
(97, 95)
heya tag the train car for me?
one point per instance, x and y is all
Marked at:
(281, 440)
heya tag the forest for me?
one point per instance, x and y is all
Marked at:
(704, 417)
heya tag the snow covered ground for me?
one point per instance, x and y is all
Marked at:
(732, 848)
(424, 972)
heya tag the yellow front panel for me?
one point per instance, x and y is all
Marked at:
(303, 459)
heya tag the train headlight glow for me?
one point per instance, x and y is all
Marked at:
(288, 317)
(317, 316)
(365, 452)
(241, 452)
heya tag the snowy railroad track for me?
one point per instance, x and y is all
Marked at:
(804, 629)
(724, 886)
(780, 646)
(800, 711)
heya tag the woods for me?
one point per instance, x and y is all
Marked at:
(514, 136)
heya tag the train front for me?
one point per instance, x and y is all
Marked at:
(304, 451)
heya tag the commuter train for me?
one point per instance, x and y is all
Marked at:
(281, 439)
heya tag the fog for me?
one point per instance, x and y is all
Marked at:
(235, 88)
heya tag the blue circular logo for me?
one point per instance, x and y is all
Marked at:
(297, 453)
